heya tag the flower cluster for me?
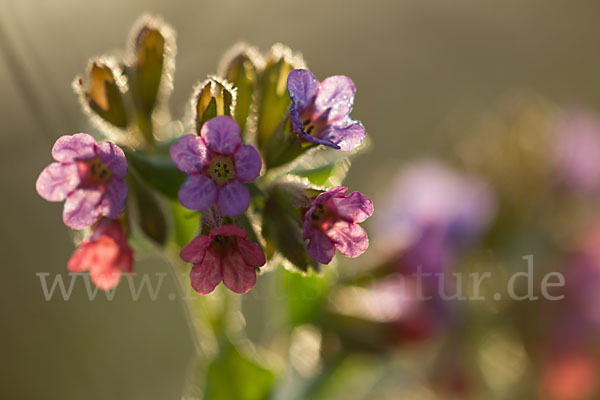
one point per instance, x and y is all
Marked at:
(215, 170)
(90, 177)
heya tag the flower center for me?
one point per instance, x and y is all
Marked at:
(312, 124)
(221, 169)
(310, 127)
(320, 215)
(94, 172)
(222, 244)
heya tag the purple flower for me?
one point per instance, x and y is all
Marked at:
(218, 164)
(331, 223)
(89, 176)
(431, 212)
(320, 110)
(577, 151)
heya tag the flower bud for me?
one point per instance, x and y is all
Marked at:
(241, 67)
(275, 101)
(150, 63)
(103, 95)
(212, 98)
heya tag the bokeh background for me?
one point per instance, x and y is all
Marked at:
(425, 70)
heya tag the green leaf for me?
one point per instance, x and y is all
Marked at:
(305, 295)
(185, 223)
(331, 174)
(352, 376)
(234, 376)
(240, 68)
(274, 98)
(284, 146)
(157, 171)
(283, 225)
(246, 224)
(150, 216)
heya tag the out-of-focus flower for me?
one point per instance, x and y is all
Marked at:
(89, 176)
(105, 254)
(218, 164)
(431, 211)
(320, 110)
(224, 255)
(571, 376)
(576, 156)
(580, 318)
(331, 223)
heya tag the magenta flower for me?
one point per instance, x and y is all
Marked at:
(224, 255)
(331, 223)
(106, 254)
(89, 176)
(320, 110)
(218, 164)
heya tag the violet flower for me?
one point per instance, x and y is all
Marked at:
(218, 164)
(105, 254)
(224, 255)
(431, 212)
(331, 223)
(320, 110)
(89, 176)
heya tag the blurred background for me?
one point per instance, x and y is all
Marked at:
(481, 87)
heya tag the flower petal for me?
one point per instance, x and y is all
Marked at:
(296, 121)
(228, 230)
(57, 180)
(233, 199)
(247, 163)
(222, 134)
(189, 154)
(347, 137)
(313, 139)
(105, 278)
(350, 239)
(79, 146)
(113, 157)
(82, 208)
(195, 250)
(251, 252)
(198, 192)
(302, 87)
(338, 191)
(320, 247)
(356, 207)
(335, 95)
(113, 201)
(81, 258)
(206, 276)
(237, 275)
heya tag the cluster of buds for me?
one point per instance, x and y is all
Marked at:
(256, 168)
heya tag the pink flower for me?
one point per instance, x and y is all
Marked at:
(331, 223)
(576, 156)
(89, 176)
(106, 254)
(218, 164)
(224, 255)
